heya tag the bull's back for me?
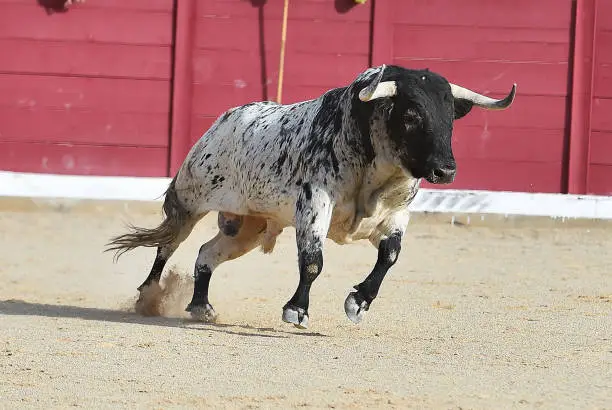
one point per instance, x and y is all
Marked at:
(246, 162)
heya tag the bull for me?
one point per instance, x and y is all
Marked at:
(343, 166)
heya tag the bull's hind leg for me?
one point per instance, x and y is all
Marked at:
(166, 237)
(165, 252)
(388, 240)
(237, 235)
(162, 256)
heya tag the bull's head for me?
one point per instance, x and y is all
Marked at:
(419, 119)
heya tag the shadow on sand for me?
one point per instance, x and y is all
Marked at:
(15, 307)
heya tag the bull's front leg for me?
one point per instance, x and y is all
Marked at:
(312, 219)
(388, 240)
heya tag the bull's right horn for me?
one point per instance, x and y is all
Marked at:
(481, 100)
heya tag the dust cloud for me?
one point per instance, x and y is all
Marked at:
(167, 298)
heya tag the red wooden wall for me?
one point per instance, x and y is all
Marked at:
(236, 48)
(599, 176)
(124, 87)
(87, 91)
(486, 46)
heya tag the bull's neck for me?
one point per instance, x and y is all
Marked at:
(363, 142)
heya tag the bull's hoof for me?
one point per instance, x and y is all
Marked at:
(355, 307)
(202, 313)
(295, 315)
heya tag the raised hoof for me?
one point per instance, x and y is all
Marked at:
(355, 307)
(202, 313)
(295, 315)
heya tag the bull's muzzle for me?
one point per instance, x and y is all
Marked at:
(442, 175)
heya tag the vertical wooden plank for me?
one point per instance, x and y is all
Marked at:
(582, 96)
(382, 33)
(180, 137)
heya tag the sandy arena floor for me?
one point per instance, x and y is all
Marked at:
(484, 318)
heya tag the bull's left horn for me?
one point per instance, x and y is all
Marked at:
(481, 100)
(377, 88)
(382, 90)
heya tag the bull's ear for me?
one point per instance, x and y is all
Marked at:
(377, 88)
(462, 107)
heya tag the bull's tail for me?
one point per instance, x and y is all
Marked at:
(176, 216)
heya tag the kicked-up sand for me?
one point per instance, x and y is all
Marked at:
(469, 317)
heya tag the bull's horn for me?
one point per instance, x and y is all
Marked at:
(378, 89)
(482, 101)
(384, 89)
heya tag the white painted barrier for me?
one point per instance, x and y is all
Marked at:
(13, 184)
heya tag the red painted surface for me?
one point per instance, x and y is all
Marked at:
(86, 91)
(582, 96)
(118, 87)
(237, 45)
(83, 93)
(600, 176)
(84, 127)
(85, 59)
(182, 84)
(487, 46)
(599, 170)
(382, 33)
(66, 158)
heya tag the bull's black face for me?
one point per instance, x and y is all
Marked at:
(420, 124)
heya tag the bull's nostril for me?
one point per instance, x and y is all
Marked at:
(444, 174)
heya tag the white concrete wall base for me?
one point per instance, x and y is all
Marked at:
(13, 184)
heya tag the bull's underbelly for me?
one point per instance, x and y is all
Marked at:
(347, 228)
(342, 236)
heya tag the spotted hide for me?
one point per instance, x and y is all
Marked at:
(343, 166)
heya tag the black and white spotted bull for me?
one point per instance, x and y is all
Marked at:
(343, 166)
